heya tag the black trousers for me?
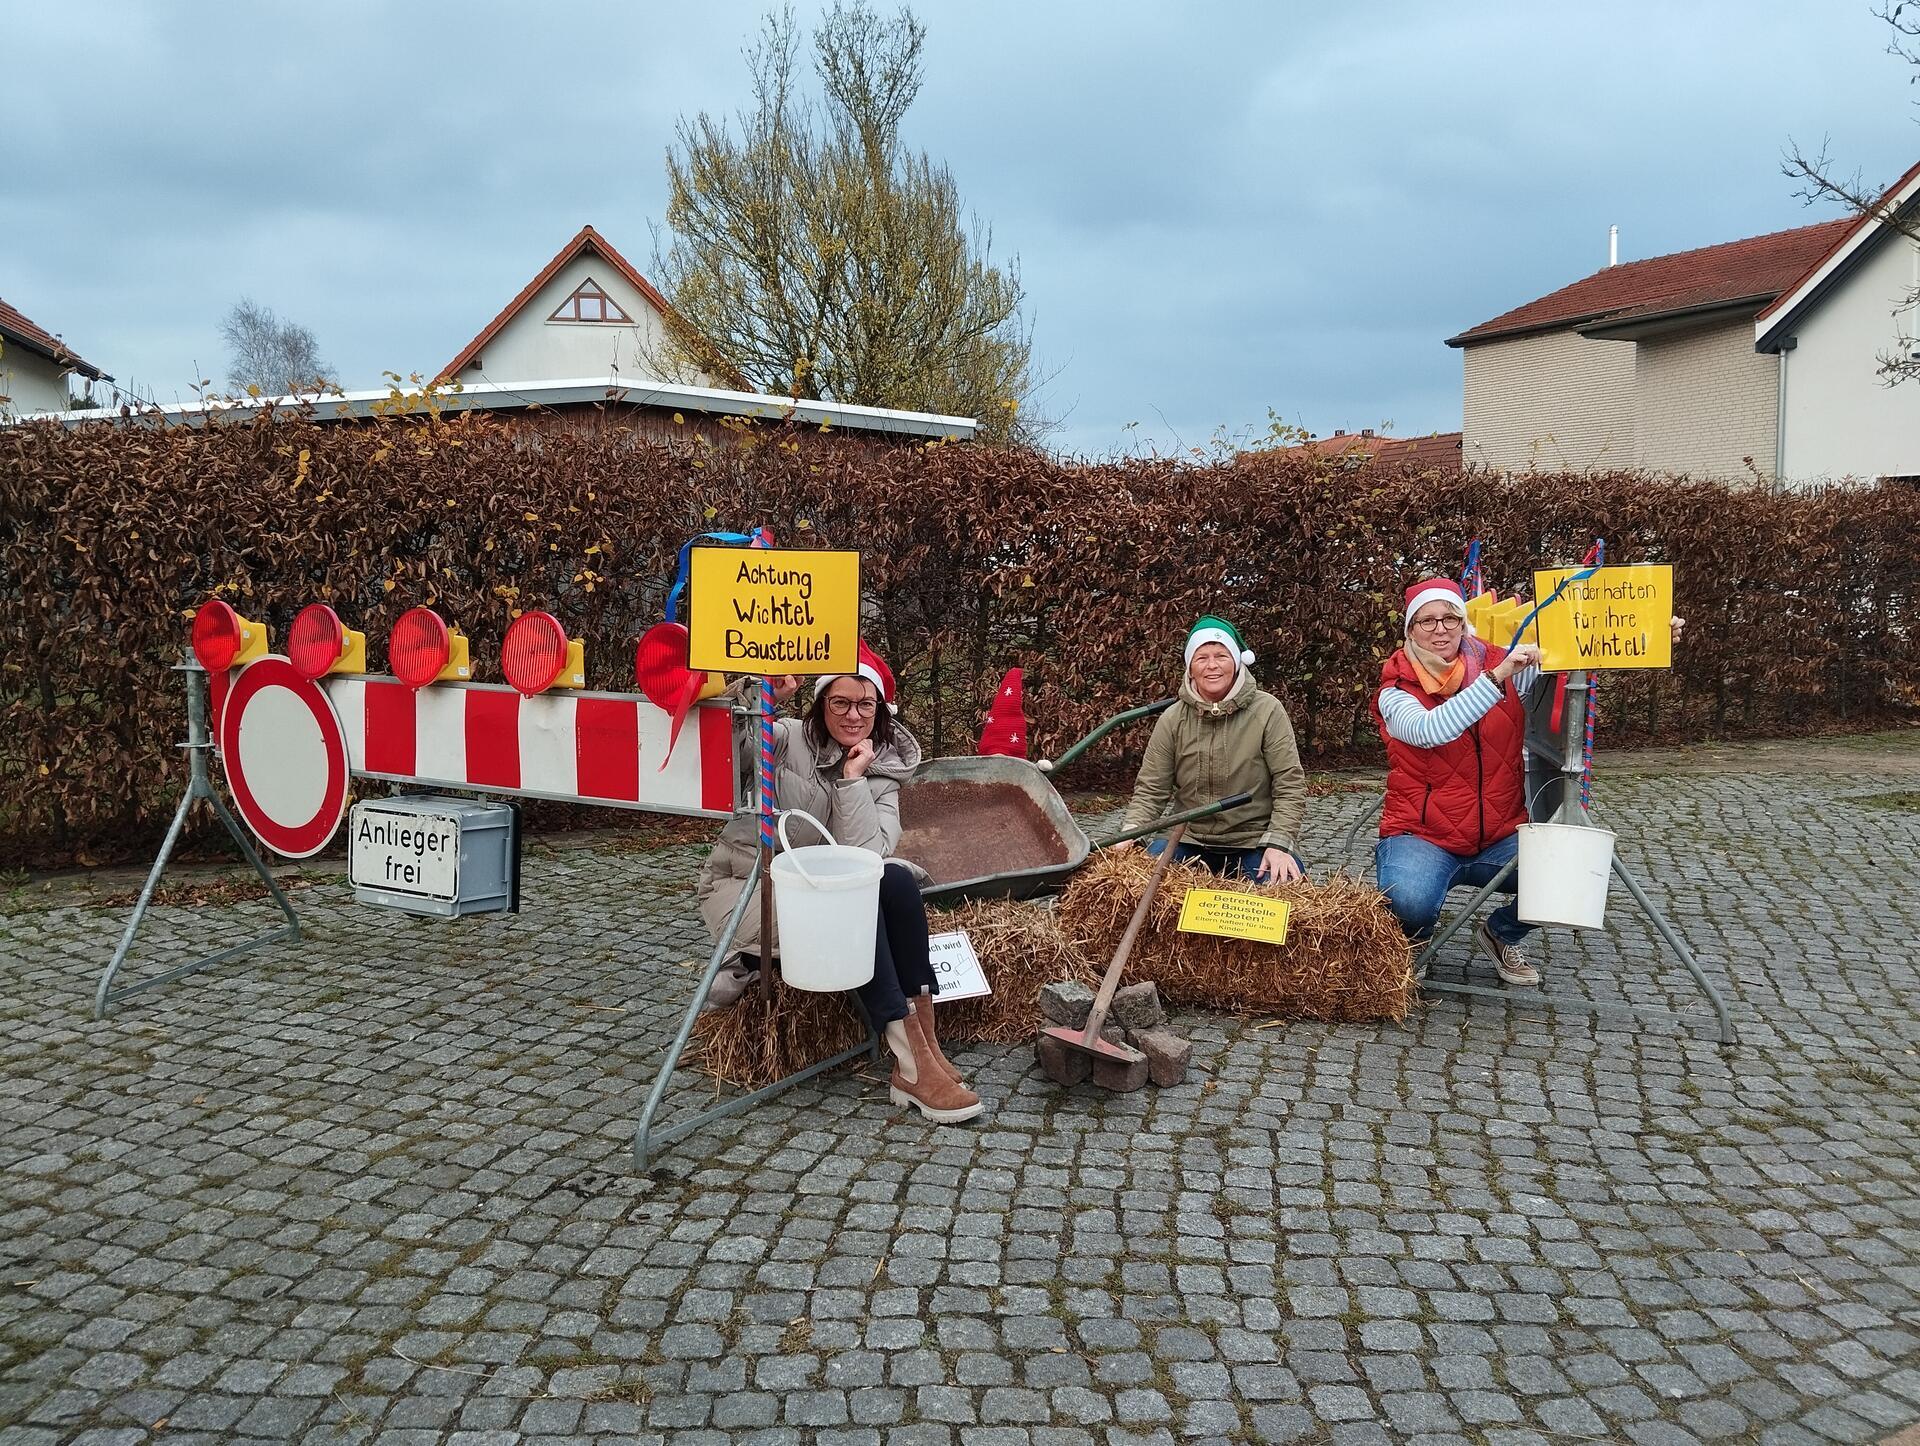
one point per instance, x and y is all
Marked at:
(900, 964)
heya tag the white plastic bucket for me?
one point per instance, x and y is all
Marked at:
(826, 902)
(1563, 874)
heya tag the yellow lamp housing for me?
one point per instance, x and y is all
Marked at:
(457, 670)
(353, 653)
(573, 672)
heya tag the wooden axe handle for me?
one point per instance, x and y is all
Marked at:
(1104, 999)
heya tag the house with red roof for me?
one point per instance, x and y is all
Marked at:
(1791, 356)
(1645, 364)
(35, 365)
(587, 313)
(1845, 339)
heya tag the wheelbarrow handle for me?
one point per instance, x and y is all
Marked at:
(1219, 805)
(1146, 710)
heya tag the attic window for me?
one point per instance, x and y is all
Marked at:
(590, 302)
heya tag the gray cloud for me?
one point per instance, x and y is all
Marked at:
(1217, 208)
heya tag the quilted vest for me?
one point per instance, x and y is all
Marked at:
(1465, 795)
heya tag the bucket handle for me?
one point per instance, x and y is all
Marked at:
(788, 848)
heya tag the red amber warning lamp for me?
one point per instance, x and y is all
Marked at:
(423, 650)
(318, 643)
(538, 655)
(222, 639)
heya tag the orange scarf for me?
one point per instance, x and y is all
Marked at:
(1448, 682)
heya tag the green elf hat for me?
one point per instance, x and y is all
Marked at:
(1218, 630)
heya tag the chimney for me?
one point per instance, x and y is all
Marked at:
(1366, 431)
(1613, 245)
(1339, 431)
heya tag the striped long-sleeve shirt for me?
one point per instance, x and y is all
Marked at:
(1410, 721)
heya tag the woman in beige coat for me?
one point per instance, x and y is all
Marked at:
(843, 763)
(1221, 737)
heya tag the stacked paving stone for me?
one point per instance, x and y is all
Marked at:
(1136, 1018)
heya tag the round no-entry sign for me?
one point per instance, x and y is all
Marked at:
(285, 755)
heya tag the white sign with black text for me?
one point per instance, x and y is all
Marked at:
(404, 852)
(956, 968)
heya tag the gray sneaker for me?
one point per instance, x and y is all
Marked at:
(1508, 961)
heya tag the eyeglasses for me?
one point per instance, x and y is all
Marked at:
(853, 707)
(1445, 623)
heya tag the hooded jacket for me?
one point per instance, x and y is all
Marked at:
(863, 812)
(1202, 751)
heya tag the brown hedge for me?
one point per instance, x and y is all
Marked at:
(1801, 606)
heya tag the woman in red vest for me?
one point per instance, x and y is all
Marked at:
(1450, 713)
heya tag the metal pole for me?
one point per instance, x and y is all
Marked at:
(199, 786)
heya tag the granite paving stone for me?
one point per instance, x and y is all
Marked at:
(376, 1186)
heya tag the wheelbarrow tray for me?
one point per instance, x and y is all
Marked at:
(1015, 883)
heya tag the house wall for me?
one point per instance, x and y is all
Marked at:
(30, 382)
(531, 348)
(1842, 419)
(1552, 401)
(1704, 402)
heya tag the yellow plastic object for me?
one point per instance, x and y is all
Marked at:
(458, 669)
(1503, 619)
(715, 685)
(353, 653)
(255, 641)
(573, 673)
(1480, 612)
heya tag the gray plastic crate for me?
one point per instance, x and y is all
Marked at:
(429, 854)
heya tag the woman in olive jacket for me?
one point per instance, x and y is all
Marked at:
(1225, 736)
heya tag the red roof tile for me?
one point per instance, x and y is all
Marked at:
(17, 328)
(586, 239)
(1437, 449)
(1756, 269)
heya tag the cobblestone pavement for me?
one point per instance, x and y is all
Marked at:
(376, 1187)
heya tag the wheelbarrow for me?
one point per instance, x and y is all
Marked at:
(1035, 782)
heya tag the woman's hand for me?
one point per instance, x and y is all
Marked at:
(1125, 843)
(1526, 655)
(858, 760)
(1277, 867)
(1677, 627)
(785, 688)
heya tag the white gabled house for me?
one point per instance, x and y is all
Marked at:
(1833, 331)
(588, 313)
(35, 365)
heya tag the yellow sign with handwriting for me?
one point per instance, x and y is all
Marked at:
(1621, 617)
(1234, 915)
(767, 611)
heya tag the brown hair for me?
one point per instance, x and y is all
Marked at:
(815, 724)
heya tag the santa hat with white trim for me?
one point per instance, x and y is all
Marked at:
(873, 669)
(1211, 629)
(1434, 589)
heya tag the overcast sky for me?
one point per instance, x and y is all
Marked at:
(1217, 208)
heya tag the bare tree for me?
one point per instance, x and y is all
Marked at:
(817, 256)
(267, 355)
(1817, 179)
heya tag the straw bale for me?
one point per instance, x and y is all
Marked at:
(766, 1037)
(1345, 957)
(1022, 949)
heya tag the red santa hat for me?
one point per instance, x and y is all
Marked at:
(1005, 732)
(873, 669)
(1434, 589)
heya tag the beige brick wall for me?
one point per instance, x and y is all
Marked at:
(1704, 401)
(1553, 401)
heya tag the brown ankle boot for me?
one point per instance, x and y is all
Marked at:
(922, 1020)
(934, 1095)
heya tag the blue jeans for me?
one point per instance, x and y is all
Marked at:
(1229, 863)
(1415, 876)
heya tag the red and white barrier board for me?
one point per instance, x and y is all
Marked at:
(288, 746)
(577, 747)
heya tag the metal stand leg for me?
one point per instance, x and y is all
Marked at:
(1459, 922)
(1728, 1034)
(199, 786)
(647, 1141)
